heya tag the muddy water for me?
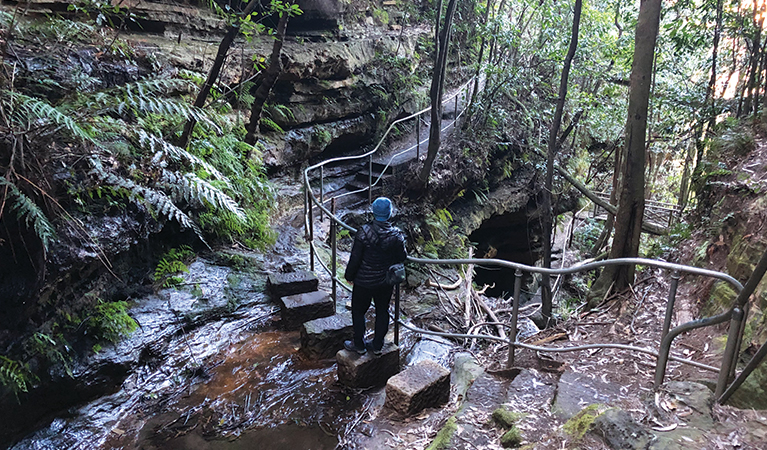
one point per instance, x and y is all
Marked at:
(235, 382)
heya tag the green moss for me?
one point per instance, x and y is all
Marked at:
(581, 423)
(505, 418)
(720, 299)
(442, 440)
(511, 438)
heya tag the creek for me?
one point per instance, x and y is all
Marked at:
(212, 369)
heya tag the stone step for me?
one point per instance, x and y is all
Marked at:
(423, 385)
(355, 185)
(368, 370)
(300, 308)
(363, 176)
(322, 338)
(291, 283)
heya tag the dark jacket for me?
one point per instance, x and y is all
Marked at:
(377, 246)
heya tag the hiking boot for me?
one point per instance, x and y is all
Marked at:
(377, 352)
(349, 345)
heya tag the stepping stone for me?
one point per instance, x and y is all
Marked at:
(291, 283)
(368, 370)
(424, 385)
(323, 338)
(300, 308)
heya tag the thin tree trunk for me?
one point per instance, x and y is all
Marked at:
(749, 99)
(436, 93)
(479, 67)
(628, 219)
(231, 33)
(270, 77)
(546, 300)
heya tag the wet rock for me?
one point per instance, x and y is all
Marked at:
(575, 391)
(430, 348)
(300, 308)
(423, 385)
(620, 431)
(323, 338)
(368, 370)
(291, 283)
(466, 369)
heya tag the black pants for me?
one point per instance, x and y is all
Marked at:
(361, 297)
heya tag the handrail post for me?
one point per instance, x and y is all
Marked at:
(370, 179)
(417, 137)
(514, 316)
(455, 117)
(311, 232)
(746, 309)
(322, 189)
(729, 357)
(396, 313)
(670, 304)
(334, 253)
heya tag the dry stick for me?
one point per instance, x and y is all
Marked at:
(492, 315)
(468, 277)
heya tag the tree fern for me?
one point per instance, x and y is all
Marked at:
(193, 189)
(28, 212)
(33, 111)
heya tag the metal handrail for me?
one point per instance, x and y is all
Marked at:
(735, 314)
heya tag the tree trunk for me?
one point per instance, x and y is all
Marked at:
(435, 94)
(750, 94)
(477, 72)
(223, 48)
(546, 300)
(270, 77)
(628, 219)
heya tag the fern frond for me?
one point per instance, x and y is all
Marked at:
(15, 375)
(269, 123)
(162, 147)
(194, 189)
(31, 110)
(157, 200)
(157, 86)
(30, 213)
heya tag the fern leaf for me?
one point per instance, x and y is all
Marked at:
(31, 214)
(194, 189)
(157, 200)
(272, 125)
(33, 110)
(162, 147)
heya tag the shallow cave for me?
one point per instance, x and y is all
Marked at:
(514, 236)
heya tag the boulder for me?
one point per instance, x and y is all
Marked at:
(368, 370)
(423, 385)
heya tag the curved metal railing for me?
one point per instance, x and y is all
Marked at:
(735, 314)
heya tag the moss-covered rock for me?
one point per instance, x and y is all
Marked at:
(442, 440)
(581, 423)
(505, 418)
(721, 299)
(511, 438)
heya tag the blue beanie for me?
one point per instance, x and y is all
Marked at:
(382, 209)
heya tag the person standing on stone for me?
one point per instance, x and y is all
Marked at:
(377, 246)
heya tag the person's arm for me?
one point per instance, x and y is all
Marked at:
(355, 259)
(400, 250)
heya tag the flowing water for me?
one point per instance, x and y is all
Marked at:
(237, 381)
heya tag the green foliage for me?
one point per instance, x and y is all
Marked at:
(29, 213)
(172, 263)
(109, 321)
(381, 16)
(15, 376)
(438, 237)
(585, 235)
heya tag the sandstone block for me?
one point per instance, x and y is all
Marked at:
(323, 338)
(368, 370)
(423, 385)
(300, 308)
(291, 283)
